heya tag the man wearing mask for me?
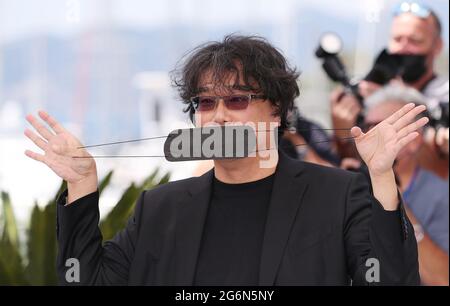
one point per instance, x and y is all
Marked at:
(416, 30)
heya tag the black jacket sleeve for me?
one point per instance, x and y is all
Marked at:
(381, 246)
(79, 238)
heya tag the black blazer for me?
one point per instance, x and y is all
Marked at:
(323, 225)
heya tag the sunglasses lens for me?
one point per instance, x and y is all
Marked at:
(237, 102)
(412, 7)
(419, 10)
(206, 104)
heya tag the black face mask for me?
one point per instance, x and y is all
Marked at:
(412, 67)
(388, 66)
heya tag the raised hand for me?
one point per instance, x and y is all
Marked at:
(380, 146)
(344, 111)
(59, 149)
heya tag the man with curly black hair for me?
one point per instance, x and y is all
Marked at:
(245, 222)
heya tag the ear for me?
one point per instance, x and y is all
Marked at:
(277, 119)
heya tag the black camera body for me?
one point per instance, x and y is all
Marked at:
(440, 118)
(329, 47)
(387, 66)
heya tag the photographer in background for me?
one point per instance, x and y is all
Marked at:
(416, 40)
(417, 30)
(307, 141)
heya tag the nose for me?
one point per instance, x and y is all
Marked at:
(221, 113)
(404, 46)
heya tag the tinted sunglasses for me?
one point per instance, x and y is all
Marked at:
(233, 102)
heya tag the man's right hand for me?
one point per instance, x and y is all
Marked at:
(344, 112)
(60, 147)
(440, 139)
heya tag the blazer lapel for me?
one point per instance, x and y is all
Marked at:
(287, 192)
(191, 218)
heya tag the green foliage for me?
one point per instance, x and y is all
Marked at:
(11, 265)
(37, 266)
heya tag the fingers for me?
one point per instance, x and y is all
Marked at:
(354, 110)
(439, 138)
(405, 140)
(400, 113)
(35, 139)
(51, 122)
(35, 156)
(408, 117)
(430, 135)
(412, 127)
(344, 113)
(442, 136)
(367, 88)
(405, 115)
(350, 104)
(347, 106)
(336, 95)
(43, 131)
(356, 132)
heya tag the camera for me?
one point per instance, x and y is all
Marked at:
(439, 117)
(387, 66)
(329, 47)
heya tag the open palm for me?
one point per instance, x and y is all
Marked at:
(59, 149)
(380, 146)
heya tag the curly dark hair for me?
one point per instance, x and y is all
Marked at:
(264, 70)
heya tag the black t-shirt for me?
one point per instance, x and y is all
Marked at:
(232, 238)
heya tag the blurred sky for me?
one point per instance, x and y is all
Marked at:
(20, 18)
(292, 25)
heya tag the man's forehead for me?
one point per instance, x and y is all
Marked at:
(210, 77)
(221, 87)
(383, 110)
(411, 23)
(225, 82)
